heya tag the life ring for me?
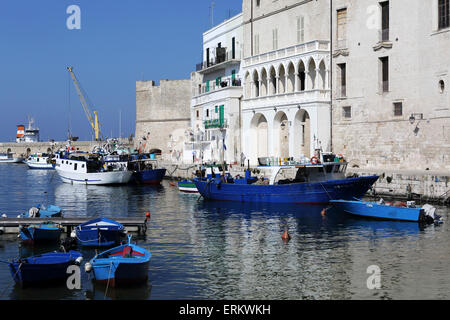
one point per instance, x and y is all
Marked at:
(315, 160)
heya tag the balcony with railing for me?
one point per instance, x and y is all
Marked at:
(222, 58)
(215, 123)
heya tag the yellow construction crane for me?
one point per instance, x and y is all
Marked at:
(92, 121)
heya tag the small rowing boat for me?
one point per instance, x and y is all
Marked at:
(187, 186)
(44, 268)
(99, 232)
(387, 211)
(125, 264)
(46, 232)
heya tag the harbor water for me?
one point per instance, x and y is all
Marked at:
(234, 251)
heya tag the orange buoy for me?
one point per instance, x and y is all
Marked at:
(147, 216)
(172, 184)
(286, 237)
(324, 212)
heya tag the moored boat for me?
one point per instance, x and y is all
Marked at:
(125, 264)
(40, 161)
(9, 158)
(40, 211)
(310, 183)
(99, 232)
(385, 211)
(46, 232)
(91, 169)
(187, 186)
(43, 269)
(146, 170)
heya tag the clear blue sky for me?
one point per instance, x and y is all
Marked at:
(119, 42)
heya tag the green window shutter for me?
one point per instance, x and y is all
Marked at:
(221, 115)
(217, 109)
(233, 75)
(207, 86)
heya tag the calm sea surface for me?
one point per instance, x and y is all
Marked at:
(217, 250)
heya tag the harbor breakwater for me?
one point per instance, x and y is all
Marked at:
(26, 148)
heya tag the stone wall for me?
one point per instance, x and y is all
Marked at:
(25, 149)
(162, 115)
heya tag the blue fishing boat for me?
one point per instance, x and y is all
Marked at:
(125, 264)
(145, 170)
(40, 211)
(43, 269)
(46, 232)
(384, 211)
(100, 232)
(310, 183)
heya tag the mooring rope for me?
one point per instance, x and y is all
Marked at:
(107, 283)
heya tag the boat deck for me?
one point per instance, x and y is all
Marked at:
(11, 225)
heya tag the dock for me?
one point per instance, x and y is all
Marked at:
(11, 225)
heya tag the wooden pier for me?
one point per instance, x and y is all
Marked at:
(11, 225)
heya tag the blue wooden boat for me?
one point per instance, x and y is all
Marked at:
(47, 232)
(44, 268)
(100, 232)
(145, 169)
(380, 210)
(312, 184)
(40, 211)
(125, 264)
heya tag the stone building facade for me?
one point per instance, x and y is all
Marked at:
(286, 64)
(162, 116)
(216, 96)
(391, 82)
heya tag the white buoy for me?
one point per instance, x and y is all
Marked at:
(73, 234)
(78, 261)
(4, 216)
(88, 267)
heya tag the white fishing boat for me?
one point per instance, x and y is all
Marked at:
(8, 157)
(40, 161)
(91, 169)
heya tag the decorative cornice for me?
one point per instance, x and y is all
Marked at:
(382, 44)
(341, 52)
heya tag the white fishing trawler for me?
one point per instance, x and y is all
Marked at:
(91, 169)
(40, 161)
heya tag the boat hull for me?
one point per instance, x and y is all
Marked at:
(39, 234)
(40, 270)
(98, 238)
(377, 211)
(153, 177)
(97, 178)
(297, 193)
(40, 166)
(187, 186)
(126, 264)
(15, 160)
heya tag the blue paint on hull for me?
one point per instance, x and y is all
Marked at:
(321, 192)
(154, 176)
(377, 211)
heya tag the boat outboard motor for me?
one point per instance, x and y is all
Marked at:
(430, 214)
(33, 212)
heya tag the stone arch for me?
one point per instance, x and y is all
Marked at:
(301, 74)
(9, 150)
(302, 134)
(259, 135)
(248, 84)
(28, 152)
(256, 88)
(282, 79)
(322, 75)
(273, 80)
(290, 85)
(312, 73)
(264, 88)
(281, 135)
